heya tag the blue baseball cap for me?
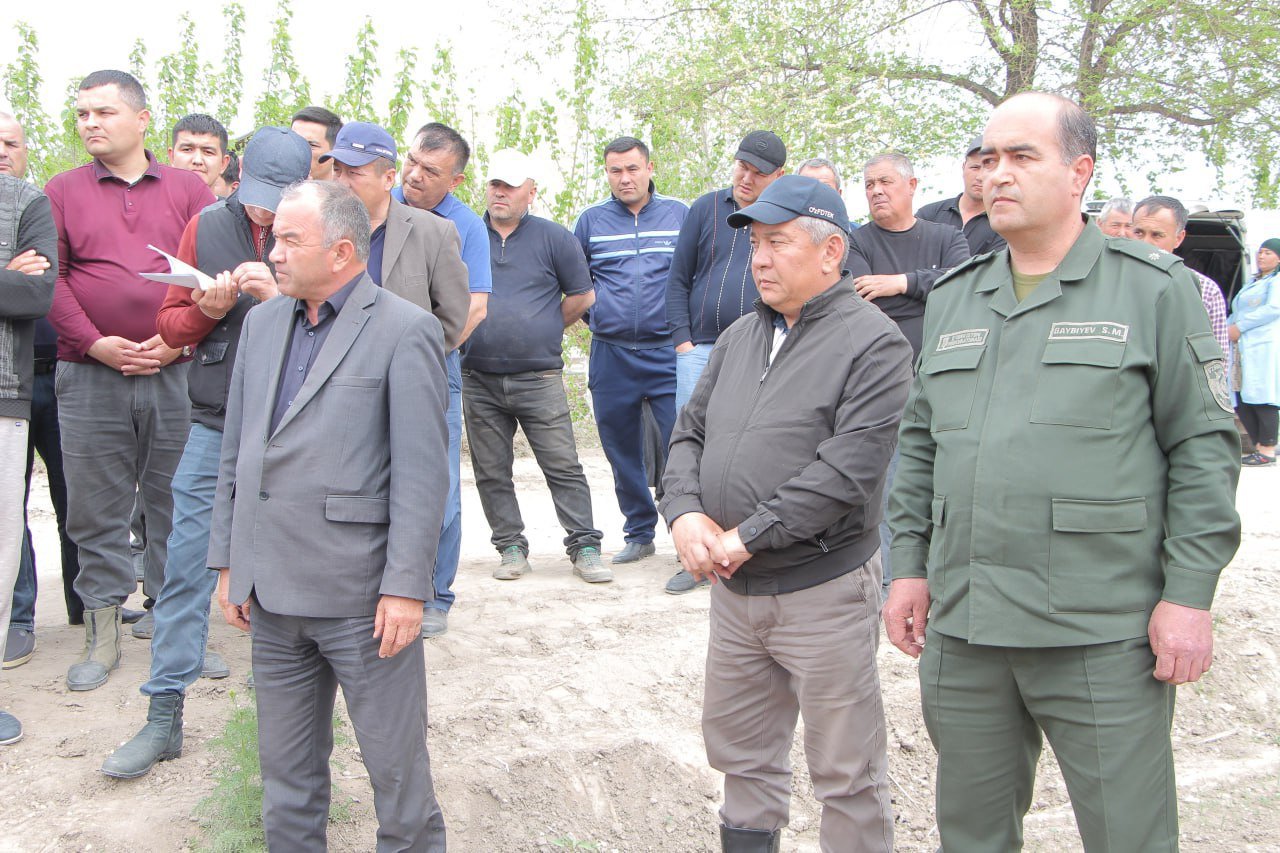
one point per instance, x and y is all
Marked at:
(359, 143)
(274, 158)
(791, 196)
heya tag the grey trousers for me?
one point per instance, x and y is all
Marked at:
(810, 652)
(298, 664)
(493, 405)
(121, 436)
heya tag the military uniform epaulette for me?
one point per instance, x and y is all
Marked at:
(1158, 258)
(972, 262)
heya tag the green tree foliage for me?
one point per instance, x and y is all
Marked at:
(845, 78)
(285, 89)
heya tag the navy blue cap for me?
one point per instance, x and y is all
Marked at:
(274, 158)
(359, 143)
(791, 196)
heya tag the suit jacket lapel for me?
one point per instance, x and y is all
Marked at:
(281, 331)
(346, 328)
(398, 227)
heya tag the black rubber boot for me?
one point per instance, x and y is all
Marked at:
(159, 740)
(750, 840)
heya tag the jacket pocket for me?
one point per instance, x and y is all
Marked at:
(950, 380)
(356, 381)
(357, 509)
(1097, 552)
(212, 352)
(1077, 383)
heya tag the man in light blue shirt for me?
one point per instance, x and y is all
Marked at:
(434, 166)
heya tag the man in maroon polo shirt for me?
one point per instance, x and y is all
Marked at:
(122, 393)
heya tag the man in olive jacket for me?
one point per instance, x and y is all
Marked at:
(774, 485)
(1063, 504)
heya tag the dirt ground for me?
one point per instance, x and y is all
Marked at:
(566, 716)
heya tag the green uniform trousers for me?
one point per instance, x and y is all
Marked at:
(1107, 720)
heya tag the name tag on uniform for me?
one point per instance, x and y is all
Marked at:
(1097, 331)
(961, 339)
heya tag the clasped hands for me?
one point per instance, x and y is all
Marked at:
(706, 549)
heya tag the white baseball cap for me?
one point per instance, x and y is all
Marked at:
(509, 166)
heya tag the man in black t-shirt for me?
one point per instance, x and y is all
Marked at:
(512, 371)
(895, 260)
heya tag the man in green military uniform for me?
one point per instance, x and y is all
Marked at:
(1063, 505)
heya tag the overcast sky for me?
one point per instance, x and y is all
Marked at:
(487, 38)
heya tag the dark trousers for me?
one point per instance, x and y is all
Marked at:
(493, 405)
(47, 441)
(621, 381)
(1260, 421)
(298, 664)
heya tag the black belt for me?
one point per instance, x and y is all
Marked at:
(45, 365)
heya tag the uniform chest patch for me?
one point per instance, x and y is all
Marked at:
(1216, 373)
(1100, 330)
(961, 339)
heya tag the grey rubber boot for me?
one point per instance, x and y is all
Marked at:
(101, 650)
(749, 840)
(159, 740)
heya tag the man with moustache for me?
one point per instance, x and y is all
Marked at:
(1063, 505)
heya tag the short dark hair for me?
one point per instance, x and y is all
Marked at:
(204, 125)
(231, 174)
(440, 137)
(131, 91)
(1155, 203)
(319, 115)
(1077, 134)
(623, 144)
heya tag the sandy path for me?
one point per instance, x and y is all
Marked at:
(563, 712)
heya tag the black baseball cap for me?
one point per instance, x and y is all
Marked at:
(764, 150)
(791, 196)
(975, 145)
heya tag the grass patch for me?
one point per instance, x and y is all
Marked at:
(231, 815)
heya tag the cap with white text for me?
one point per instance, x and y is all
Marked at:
(792, 196)
(359, 143)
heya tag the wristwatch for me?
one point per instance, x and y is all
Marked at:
(186, 352)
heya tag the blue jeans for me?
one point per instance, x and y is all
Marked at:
(689, 367)
(182, 608)
(450, 549)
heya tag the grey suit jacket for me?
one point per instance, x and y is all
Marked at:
(343, 502)
(422, 262)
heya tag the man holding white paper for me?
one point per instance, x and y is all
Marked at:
(122, 392)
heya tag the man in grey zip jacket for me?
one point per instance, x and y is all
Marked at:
(773, 485)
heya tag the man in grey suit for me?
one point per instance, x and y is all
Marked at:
(326, 517)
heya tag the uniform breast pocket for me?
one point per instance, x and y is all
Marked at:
(950, 380)
(1077, 383)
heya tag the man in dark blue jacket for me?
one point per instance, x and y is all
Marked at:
(710, 284)
(629, 239)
